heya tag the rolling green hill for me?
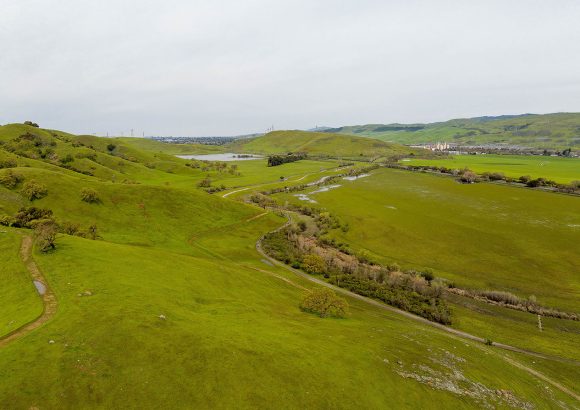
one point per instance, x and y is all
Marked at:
(169, 304)
(561, 130)
(321, 144)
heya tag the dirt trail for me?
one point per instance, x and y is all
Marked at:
(48, 298)
(275, 182)
(448, 330)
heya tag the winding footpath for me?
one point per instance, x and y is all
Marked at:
(448, 330)
(48, 298)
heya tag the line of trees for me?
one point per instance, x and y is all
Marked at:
(275, 160)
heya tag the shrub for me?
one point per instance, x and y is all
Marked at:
(111, 147)
(32, 124)
(9, 163)
(9, 179)
(92, 232)
(428, 275)
(204, 183)
(89, 195)
(324, 303)
(70, 228)
(468, 177)
(34, 190)
(68, 158)
(313, 264)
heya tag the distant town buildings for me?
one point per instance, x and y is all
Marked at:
(439, 146)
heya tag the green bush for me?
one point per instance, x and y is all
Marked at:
(90, 195)
(34, 190)
(314, 264)
(324, 303)
(10, 179)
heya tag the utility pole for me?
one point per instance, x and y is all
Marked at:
(131, 131)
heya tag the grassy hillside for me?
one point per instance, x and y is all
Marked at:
(561, 130)
(172, 306)
(320, 144)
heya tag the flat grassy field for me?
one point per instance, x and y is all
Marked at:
(559, 169)
(481, 236)
(478, 235)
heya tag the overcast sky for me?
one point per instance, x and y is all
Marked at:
(210, 67)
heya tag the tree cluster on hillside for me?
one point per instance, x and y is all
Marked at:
(275, 160)
(44, 223)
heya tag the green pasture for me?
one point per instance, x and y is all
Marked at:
(559, 169)
(224, 342)
(476, 235)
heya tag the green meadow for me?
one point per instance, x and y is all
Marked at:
(477, 235)
(559, 169)
(173, 307)
(481, 236)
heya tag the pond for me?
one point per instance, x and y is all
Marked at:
(228, 156)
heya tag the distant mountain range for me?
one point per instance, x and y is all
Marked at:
(559, 130)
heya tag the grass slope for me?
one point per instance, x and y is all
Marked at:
(226, 342)
(20, 301)
(561, 130)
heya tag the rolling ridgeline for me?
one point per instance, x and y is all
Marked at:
(162, 299)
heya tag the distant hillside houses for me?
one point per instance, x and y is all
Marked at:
(438, 146)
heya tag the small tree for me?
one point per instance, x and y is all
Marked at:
(313, 263)
(324, 303)
(32, 124)
(46, 235)
(90, 195)
(34, 190)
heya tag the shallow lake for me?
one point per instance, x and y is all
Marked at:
(228, 156)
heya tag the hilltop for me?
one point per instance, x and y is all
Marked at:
(560, 130)
(320, 144)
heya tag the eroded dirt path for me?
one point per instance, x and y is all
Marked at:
(48, 298)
